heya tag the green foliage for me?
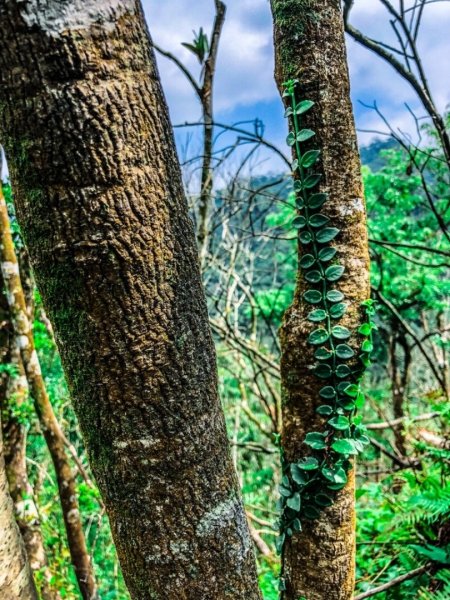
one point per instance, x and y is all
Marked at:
(199, 46)
(309, 485)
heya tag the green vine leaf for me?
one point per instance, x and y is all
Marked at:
(318, 336)
(334, 295)
(344, 351)
(327, 254)
(306, 261)
(312, 296)
(326, 234)
(334, 272)
(318, 221)
(303, 106)
(308, 464)
(316, 316)
(339, 422)
(304, 134)
(317, 200)
(344, 446)
(340, 333)
(309, 158)
(317, 441)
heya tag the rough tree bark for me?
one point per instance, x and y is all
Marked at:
(102, 209)
(16, 580)
(318, 563)
(53, 434)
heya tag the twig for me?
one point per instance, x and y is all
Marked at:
(392, 583)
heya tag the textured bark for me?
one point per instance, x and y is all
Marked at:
(54, 437)
(102, 209)
(318, 563)
(16, 580)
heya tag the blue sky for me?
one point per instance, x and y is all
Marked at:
(245, 88)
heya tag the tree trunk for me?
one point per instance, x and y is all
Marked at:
(16, 581)
(102, 209)
(318, 563)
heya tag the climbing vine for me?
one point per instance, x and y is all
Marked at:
(309, 485)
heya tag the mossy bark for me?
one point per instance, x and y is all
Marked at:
(100, 202)
(318, 563)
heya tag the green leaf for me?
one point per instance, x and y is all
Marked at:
(337, 475)
(339, 422)
(344, 446)
(286, 492)
(299, 203)
(311, 181)
(323, 500)
(294, 502)
(309, 158)
(317, 315)
(315, 440)
(305, 134)
(367, 346)
(323, 353)
(365, 329)
(296, 525)
(299, 222)
(288, 112)
(303, 106)
(312, 296)
(325, 410)
(326, 234)
(337, 310)
(334, 295)
(327, 392)
(340, 333)
(318, 221)
(305, 237)
(311, 512)
(343, 371)
(279, 542)
(313, 276)
(323, 371)
(317, 200)
(352, 390)
(334, 272)
(344, 351)
(306, 261)
(298, 475)
(290, 140)
(327, 254)
(318, 336)
(308, 464)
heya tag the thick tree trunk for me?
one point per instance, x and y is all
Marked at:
(101, 206)
(318, 563)
(16, 581)
(54, 437)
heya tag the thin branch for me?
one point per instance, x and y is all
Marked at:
(392, 583)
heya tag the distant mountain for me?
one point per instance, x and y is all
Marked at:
(371, 154)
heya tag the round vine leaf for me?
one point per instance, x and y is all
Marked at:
(290, 140)
(341, 387)
(343, 371)
(323, 371)
(318, 336)
(311, 181)
(286, 492)
(352, 390)
(334, 272)
(336, 486)
(294, 165)
(327, 254)
(308, 464)
(304, 134)
(313, 276)
(323, 353)
(288, 112)
(299, 203)
(340, 333)
(316, 441)
(317, 315)
(367, 346)
(325, 410)
(336, 475)
(299, 222)
(344, 351)
(328, 392)
(359, 402)
(334, 295)
(294, 502)
(326, 235)
(309, 158)
(318, 220)
(365, 360)
(346, 403)
(365, 329)
(311, 512)
(298, 186)
(339, 422)
(306, 261)
(323, 500)
(312, 296)
(296, 525)
(344, 446)
(303, 106)
(337, 310)
(317, 200)
(305, 237)
(299, 476)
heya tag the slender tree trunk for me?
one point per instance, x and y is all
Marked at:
(16, 580)
(318, 563)
(54, 437)
(102, 209)
(399, 379)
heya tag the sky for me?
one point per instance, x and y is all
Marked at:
(245, 87)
